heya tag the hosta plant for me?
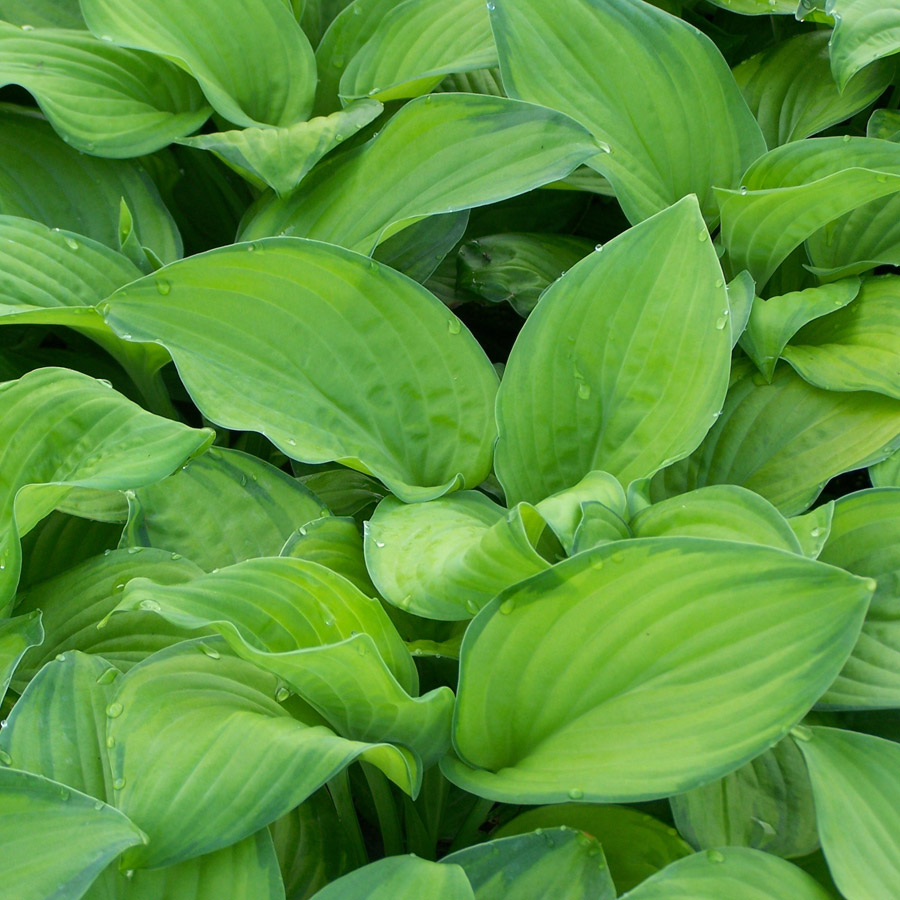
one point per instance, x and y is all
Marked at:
(449, 450)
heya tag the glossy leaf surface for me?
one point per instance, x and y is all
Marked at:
(400, 878)
(16, 636)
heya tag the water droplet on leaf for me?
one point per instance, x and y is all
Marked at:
(507, 606)
(212, 654)
(114, 710)
(714, 856)
(163, 286)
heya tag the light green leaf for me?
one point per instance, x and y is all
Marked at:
(400, 878)
(306, 374)
(635, 845)
(281, 157)
(775, 321)
(16, 636)
(652, 87)
(646, 667)
(42, 13)
(251, 58)
(43, 179)
(741, 292)
(857, 347)
(789, 88)
(246, 508)
(622, 365)
(235, 758)
(55, 840)
(887, 472)
(419, 249)
(436, 155)
(733, 872)
(555, 862)
(766, 804)
(864, 31)
(854, 779)
(415, 45)
(446, 559)
(758, 7)
(813, 529)
(865, 540)
(884, 124)
(64, 429)
(599, 525)
(100, 98)
(801, 437)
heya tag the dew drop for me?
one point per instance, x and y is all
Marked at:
(98, 805)
(816, 532)
(598, 247)
(150, 605)
(703, 236)
(212, 654)
(28, 28)
(576, 793)
(618, 556)
(743, 190)
(106, 37)
(379, 544)
(282, 694)
(721, 322)
(72, 243)
(176, 556)
(110, 742)
(114, 710)
(714, 856)
(720, 283)
(5, 758)
(163, 286)
(3, 723)
(846, 138)
(120, 586)
(292, 442)
(373, 265)
(118, 784)
(802, 733)
(491, 6)
(60, 657)
(507, 606)
(135, 549)
(584, 391)
(453, 325)
(64, 795)
(472, 607)
(107, 676)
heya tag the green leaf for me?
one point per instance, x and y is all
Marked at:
(856, 347)
(741, 292)
(733, 872)
(251, 58)
(63, 430)
(85, 193)
(419, 249)
(652, 87)
(599, 525)
(249, 508)
(330, 643)
(100, 98)
(786, 439)
(345, 492)
(56, 840)
(635, 845)
(16, 636)
(235, 758)
(646, 667)
(766, 804)
(864, 31)
(42, 13)
(884, 124)
(295, 374)
(623, 364)
(887, 472)
(775, 321)
(415, 45)
(436, 155)
(446, 559)
(813, 529)
(282, 157)
(789, 88)
(857, 802)
(555, 862)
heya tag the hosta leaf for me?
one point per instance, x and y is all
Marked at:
(42, 13)
(766, 804)
(790, 90)
(864, 31)
(55, 840)
(419, 249)
(416, 44)
(857, 347)
(64, 429)
(733, 872)
(281, 157)
(245, 508)
(251, 58)
(784, 440)
(446, 559)
(599, 525)
(436, 155)
(346, 492)
(813, 529)
(885, 124)
(100, 98)
(775, 321)
(235, 758)
(622, 365)
(646, 667)
(652, 87)
(296, 374)
(85, 193)
(857, 802)
(76, 601)
(741, 292)
(722, 512)
(758, 7)
(16, 636)
(635, 845)
(558, 863)
(331, 644)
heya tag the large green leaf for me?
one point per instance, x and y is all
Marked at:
(733, 872)
(348, 354)
(784, 440)
(62, 430)
(330, 643)
(235, 757)
(418, 250)
(555, 862)
(622, 366)
(243, 507)
(16, 636)
(251, 58)
(854, 779)
(446, 559)
(415, 45)
(646, 667)
(100, 98)
(766, 804)
(652, 87)
(436, 155)
(42, 13)
(864, 31)
(791, 92)
(55, 840)
(43, 179)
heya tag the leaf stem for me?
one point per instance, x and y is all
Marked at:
(385, 809)
(339, 786)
